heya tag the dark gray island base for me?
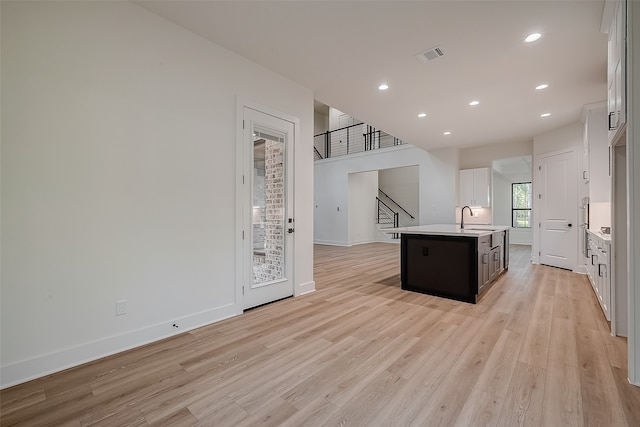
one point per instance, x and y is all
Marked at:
(459, 265)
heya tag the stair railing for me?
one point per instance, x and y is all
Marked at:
(396, 203)
(386, 215)
(351, 139)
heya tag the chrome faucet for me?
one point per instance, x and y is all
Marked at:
(462, 215)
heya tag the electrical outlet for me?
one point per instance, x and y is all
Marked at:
(121, 307)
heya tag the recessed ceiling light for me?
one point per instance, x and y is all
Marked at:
(383, 86)
(542, 86)
(532, 37)
(446, 133)
(472, 103)
(545, 114)
(422, 115)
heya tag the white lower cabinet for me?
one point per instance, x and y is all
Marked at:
(598, 267)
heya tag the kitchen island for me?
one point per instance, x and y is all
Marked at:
(452, 262)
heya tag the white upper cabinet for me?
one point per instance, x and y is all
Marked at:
(474, 187)
(616, 67)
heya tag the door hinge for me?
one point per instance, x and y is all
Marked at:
(243, 290)
(539, 254)
(242, 234)
(539, 168)
(243, 179)
(539, 196)
(243, 124)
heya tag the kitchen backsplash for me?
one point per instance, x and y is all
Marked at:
(484, 216)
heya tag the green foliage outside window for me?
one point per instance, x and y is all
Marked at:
(521, 201)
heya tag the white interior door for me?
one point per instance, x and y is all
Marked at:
(268, 229)
(558, 210)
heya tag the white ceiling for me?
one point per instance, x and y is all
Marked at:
(343, 50)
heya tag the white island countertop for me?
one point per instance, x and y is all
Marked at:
(470, 230)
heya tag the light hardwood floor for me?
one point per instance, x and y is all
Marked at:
(360, 351)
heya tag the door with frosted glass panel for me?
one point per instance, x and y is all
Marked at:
(268, 250)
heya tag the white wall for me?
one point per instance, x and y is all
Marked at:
(501, 187)
(118, 164)
(599, 169)
(320, 122)
(403, 186)
(438, 178)
(363, 189)
(633, 190)
(482, 157)
(334, 119)
(502, 209)
(567, 138)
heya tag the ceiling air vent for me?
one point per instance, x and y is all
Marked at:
(429, 54)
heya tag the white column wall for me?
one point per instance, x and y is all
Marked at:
(363, 189)
(438, 175)
(501, 206)
(118, 171)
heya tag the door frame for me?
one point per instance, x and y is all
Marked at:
(536, 201)
(243, 193)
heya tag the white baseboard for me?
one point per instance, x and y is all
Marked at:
(26, 370)
(305, 288)
(581, 269)
(330, 242)
(361, 242)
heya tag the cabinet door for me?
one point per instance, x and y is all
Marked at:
(619, 87)
(465, 194)
(481, 187)
(605, 280)
(615, 70)
(483, 269)
(474, 187)
(611, 103)
(494, 262)
(615, 98)
(620, 52)
(591, 264)
(483, 262)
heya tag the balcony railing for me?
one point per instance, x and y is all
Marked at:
(351, 139)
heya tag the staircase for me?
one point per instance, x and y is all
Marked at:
(388, 217)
